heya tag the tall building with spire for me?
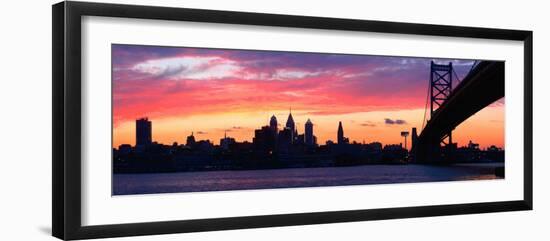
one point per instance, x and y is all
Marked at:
(340, 133)
(290, 122)
(291, 125)
(309, 133)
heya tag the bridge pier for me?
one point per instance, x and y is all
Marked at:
(434, 153)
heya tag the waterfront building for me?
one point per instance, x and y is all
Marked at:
(309, 138)
(273, 123)
(226, 142)
(292, 127)
(264, 139)
(284, 140)
(190, 140)
(414, 138)
(143, 132)
(341, 139)
(125, 149)
(473, 146)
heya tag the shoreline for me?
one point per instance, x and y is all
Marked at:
(141, 171)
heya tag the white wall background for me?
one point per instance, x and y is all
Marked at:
(25, 120)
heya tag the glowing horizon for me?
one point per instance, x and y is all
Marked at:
(213, 91)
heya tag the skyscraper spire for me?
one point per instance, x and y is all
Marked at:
(291, 125)
(290, 122)
(340, 133)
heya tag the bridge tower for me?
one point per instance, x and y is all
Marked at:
(441, 85)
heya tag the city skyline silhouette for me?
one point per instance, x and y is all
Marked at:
(214, 91)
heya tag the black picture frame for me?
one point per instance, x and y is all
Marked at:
(67, 134)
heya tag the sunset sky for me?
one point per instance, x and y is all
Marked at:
(212, 91)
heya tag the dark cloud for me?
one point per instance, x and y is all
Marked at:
(235, 128)
(389, 121)
(201, 132)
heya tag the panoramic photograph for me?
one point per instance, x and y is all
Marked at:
(190, 119)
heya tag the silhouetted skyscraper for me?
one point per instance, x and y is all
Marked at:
(273, 123)
(226, 142)
(143, 132)
(284, 140)
(290, 125)
(190, 140)
(340, 133)
(309, 133)
(290, 122)
(264, 139)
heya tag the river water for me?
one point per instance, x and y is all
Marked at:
(124, 184)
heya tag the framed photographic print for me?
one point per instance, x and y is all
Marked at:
(170, 120)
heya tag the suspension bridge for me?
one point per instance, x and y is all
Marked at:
(449, 106)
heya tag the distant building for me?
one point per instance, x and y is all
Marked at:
(494, 148)
(273, 123)
(190, 140)
(473, 146)
(300, 140)
(226, 142)
(143, 132)
(264, 139)
(414, 138)
(292, 126)
(394, 152)
(124, 149)
(309, 138)
(341, 139)
(284, 140)
(375, 146)
(204, 145)
(393, 147)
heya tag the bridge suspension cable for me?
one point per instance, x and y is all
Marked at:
(456, 77)
(473, 66)
(469, 71)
